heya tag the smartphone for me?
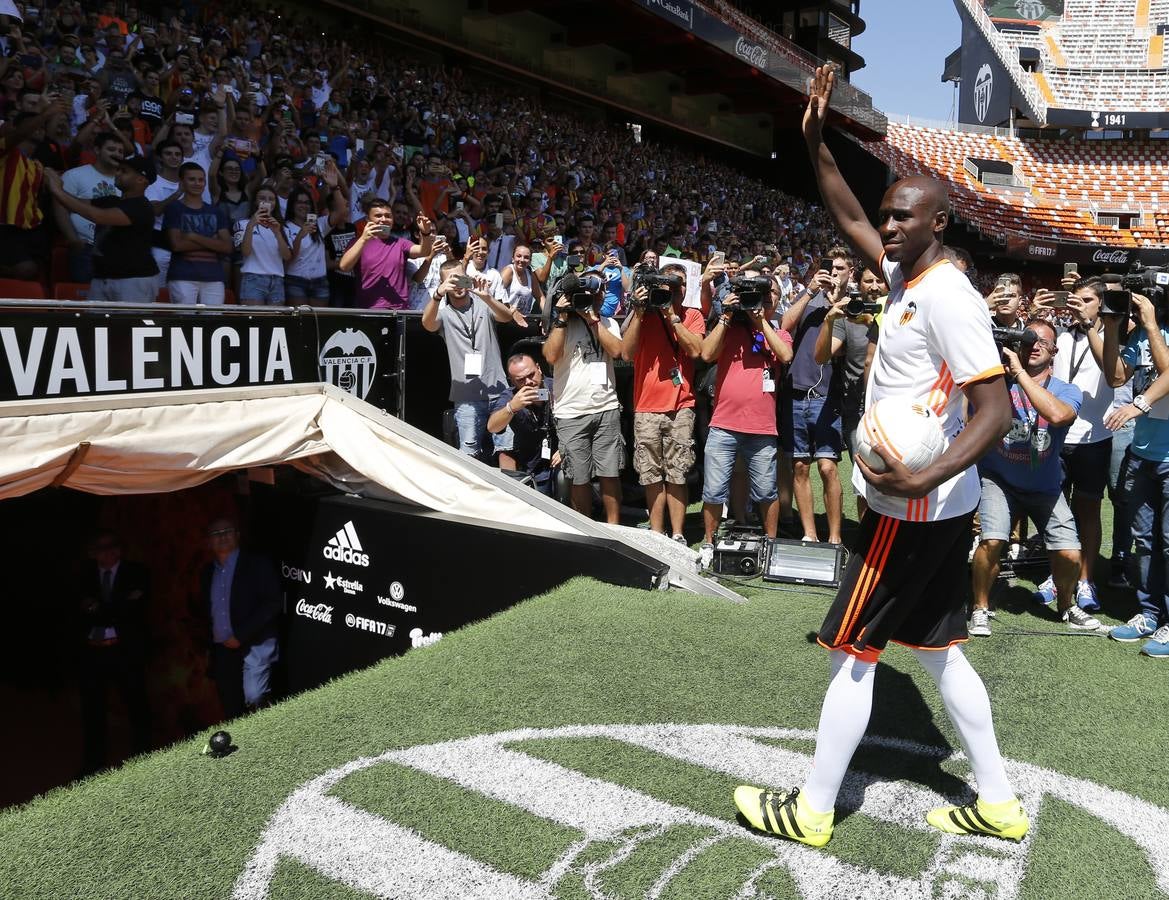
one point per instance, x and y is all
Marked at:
(1059, 300)
(1071, 269)
(358, 143)
(559, 239)
(182, 118)
(458, 205)
(499, 220)
(541, 395)
(265, 207)
(1003, 282)
(310, 219)
(1115, 302)
(718, 257)
(464, 282)
(573, 260)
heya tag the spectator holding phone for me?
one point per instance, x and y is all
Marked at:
(1006, 301)
(200, 240)
(379, 259)
(306, 277)
(617, 281)
(264, 248)
(463, 311)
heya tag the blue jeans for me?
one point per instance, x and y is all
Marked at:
(297, 288)
(1147, 484)
(471, 420)
(258, 670)
(266, 289)
(811, 428)
(758, 451)
(1121, 533)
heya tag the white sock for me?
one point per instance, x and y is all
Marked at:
(843, 720)
(969, 708)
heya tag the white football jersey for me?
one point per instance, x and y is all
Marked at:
(934, 338)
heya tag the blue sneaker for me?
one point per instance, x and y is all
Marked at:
(1138, 627)
(1158, 645)
(1045, 593)
(1086, 597)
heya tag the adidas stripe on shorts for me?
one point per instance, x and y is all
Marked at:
(907, 582)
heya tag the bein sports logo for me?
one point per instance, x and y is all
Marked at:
(983, 88)
(317, 612)
(292, 573)
(345, 547)
(349, 361)
(373, 854)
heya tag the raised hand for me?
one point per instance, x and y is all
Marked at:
(819, 94)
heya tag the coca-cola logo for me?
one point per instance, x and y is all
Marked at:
(1111, 257)
(318, 612)
(752, 53)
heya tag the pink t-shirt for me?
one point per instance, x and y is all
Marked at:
(740, 403)
(383, 274)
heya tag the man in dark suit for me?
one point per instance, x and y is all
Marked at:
(114, 594)
(242, 594)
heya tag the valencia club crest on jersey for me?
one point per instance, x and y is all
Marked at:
(910, 312)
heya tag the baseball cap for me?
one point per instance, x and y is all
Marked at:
(142, 166)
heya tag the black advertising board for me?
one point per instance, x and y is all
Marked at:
(59, 350)
(1105, 119)
(366, 579)
(1116, 259)
(985, 91)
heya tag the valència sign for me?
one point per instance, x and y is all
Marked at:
(373, 854)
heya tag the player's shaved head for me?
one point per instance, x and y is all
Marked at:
(923, 189)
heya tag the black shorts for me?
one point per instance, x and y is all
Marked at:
(1085, 468)
(907, 582)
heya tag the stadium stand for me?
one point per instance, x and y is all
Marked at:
(1059, 188)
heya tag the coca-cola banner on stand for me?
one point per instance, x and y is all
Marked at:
(1117, 259)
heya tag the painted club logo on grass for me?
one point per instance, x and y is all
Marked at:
(370, 853)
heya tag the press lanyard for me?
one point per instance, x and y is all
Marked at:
(1035, 422)
(469, 329)
(1076, 363)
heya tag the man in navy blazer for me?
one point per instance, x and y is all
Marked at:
(241, 592)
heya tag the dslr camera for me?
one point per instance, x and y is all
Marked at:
(857, 305)
(661, 287)
(1013, 339)
(753, 291)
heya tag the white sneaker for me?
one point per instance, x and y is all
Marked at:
(1077, 618)
(980, 622)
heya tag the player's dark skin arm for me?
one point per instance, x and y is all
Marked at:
(991, 420)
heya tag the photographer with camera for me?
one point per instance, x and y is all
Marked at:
(463, 311)
(527, 411)
(853, 333)
(1144, 358)
(748, 351)
(1022, 473)
(581, 347)
(663, 339)
(810, 406)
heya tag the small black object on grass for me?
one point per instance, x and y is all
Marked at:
(219, 745)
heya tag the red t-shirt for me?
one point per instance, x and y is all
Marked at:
(654, 390)
(740, 403)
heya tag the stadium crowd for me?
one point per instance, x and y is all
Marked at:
(213, 154)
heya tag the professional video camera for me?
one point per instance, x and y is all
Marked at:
(660, 286)
(857, 305)
(1151, 282)
(582, 291)
(753, 291)
(1013, 339)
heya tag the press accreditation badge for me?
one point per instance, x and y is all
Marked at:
(768, 382)
(598, 373)
(676, 376)
(473, 364)
(1042, 440)
(545, 450)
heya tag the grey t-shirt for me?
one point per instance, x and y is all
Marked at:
(856, 337)
(467, 331)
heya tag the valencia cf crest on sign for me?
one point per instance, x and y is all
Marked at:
(348, 360)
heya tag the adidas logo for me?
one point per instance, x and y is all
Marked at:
(345, 547)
